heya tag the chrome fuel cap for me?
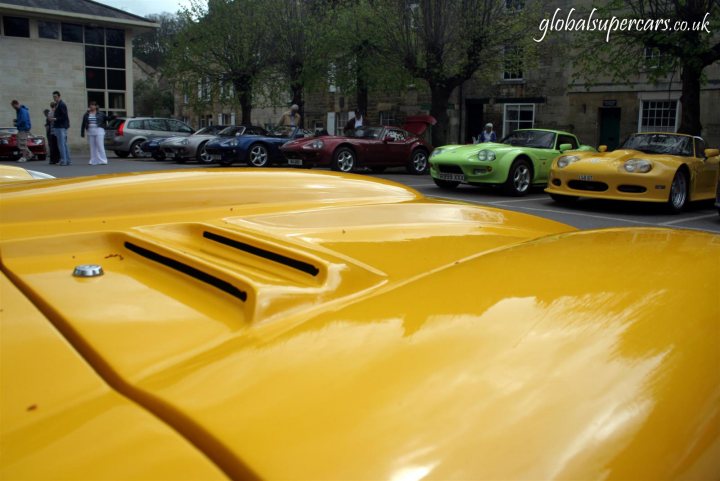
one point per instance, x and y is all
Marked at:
(88, 270)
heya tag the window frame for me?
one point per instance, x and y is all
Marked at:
(643, 102)
(505, 119)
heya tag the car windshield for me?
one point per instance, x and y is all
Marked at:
(539, 139)
(659, 144)
(366, 133)
(8, 130)
(210, 130)
(232, 131)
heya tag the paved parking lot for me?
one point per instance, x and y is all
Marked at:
(585, 214)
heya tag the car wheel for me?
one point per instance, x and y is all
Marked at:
(258, 156)
(121, 153)
(418, 162)
(202, 156)
(377, 169)
(136, 150)
(519, 178)
(446, 184)
(344, 160)
(563, 199)
(678, 192)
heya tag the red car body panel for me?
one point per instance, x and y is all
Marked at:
(381, 147)
(9, 148)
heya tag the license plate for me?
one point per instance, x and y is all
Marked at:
(586, 177)
(216, 156)
(452, 177)
(295, 161)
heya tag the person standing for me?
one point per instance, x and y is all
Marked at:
(23, 125)
(52, 138)
(94, 123)
(291, 117)
(61, 123)
(487, 135)
(354, 122)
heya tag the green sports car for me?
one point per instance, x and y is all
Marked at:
(518, 161)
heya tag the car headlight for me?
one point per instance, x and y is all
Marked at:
(437, 151)
(4, 141)
(638, 166)
(184, 142)
(230, 143)
(566, 160)
(314, 145)
(38, 142)
(486, 155)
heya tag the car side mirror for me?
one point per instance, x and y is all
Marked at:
(564, 147)
(711, 153)
(602, 148)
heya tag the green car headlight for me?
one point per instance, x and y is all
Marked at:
(486, 155)
(436, 152)
(638, 166)
(566, 160)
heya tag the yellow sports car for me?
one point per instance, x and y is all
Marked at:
(228, 324)
(648, 167)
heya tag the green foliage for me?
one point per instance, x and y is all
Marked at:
(151, 100)
(153, 47)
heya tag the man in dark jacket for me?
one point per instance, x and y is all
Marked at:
(61, 123)
(23, 125)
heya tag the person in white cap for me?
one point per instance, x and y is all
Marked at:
(487, 135)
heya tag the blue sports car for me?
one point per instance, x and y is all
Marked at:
(255, 150)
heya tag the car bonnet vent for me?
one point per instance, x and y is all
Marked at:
(188, 270)
(265, 254)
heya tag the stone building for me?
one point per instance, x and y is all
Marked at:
(79, 47)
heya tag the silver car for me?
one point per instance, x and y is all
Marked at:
(182, 149)
(124, 136)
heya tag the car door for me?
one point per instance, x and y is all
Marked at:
(397, 147)
(542, 157)
(706, 170)
(178, 128)
(156, 128)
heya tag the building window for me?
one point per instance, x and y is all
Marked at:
(94, 78)
(96, 96)
(655, 58)
(518, 116)
(513, 63)
(72, 32)
(115, 37)
(117, 100)
(94, 56)
(387, 118)
(658, 116)
(49, 30)
(95, 35)
(16, 27)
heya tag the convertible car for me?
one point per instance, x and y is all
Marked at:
(373, 147)
(649, 167)
(152, 145)
(517, 162)
(257, 150)
(194, 147)
(246, 324)
(9, 149)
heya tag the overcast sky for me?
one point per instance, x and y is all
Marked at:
(145, 7)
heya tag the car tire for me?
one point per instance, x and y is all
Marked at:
(679, 193)
(563, 199)
(121, 154)
(418, 163)
(446, 184)
(519, 178)
(137, 151)
(343, 160)
(202, 156)
(258, 156)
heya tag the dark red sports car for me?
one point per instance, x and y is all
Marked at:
(372, 147)
(9, 148)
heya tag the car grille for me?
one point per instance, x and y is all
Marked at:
(588, 185)
(449, 168)
(632, 189)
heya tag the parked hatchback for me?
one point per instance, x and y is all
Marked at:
(124, 136)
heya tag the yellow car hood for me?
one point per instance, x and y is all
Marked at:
(617, 158)
(266, 324)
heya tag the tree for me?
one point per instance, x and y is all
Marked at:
(621, 53)
(229, 41)
(152, 47)
(445, 42)
(151, 100)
